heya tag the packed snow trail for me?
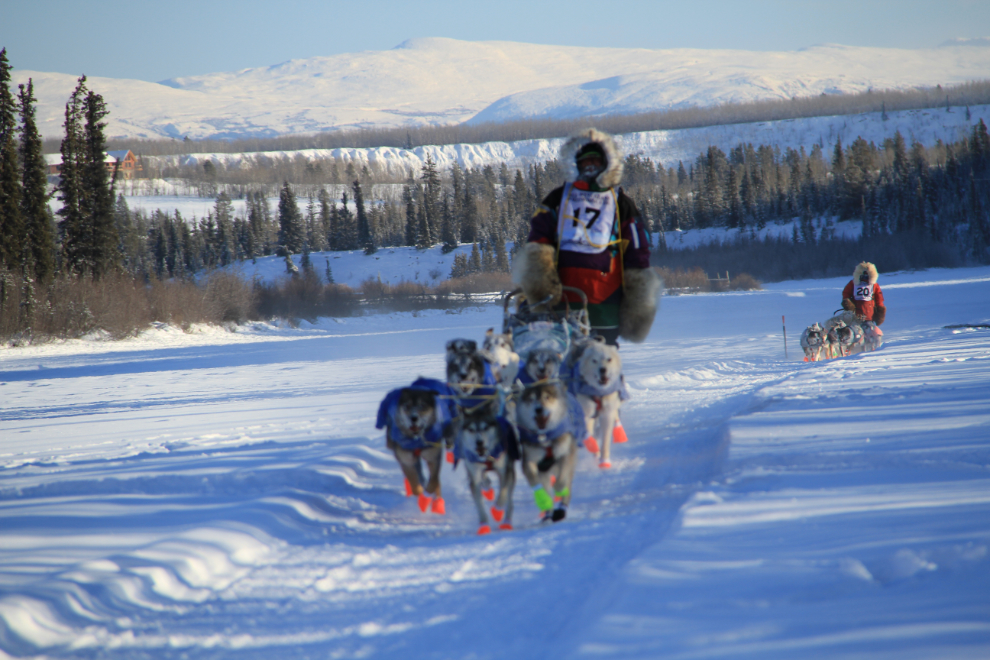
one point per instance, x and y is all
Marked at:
(225, 495)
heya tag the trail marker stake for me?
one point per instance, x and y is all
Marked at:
(784, 323)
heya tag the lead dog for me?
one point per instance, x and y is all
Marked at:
(417, 422)
(486, 442)
(551, 424)
(813, 342)
(596, 380)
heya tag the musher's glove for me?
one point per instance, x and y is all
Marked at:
(848, 304)
(879, 314)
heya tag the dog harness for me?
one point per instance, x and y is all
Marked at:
(481, 393)
(508, 443)
(431, 436)
(578, 385)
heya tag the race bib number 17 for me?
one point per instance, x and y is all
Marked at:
(586, 220)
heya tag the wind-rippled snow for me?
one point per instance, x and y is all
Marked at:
(224, 494)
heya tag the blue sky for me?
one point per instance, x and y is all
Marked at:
(157, 40)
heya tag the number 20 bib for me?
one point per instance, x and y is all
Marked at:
(863, 291)
(586, 220)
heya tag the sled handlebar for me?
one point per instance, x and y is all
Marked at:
(546, 301)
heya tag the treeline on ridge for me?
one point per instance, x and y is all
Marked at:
(950, 96)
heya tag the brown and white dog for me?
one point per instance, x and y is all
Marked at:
(416, 428)
(550, 424)
(596, 381)
(487, 443)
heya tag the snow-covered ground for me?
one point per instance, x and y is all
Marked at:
(222, 494)
(430, 267)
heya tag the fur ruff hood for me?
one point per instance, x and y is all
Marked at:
(866, 267)
(612, 175)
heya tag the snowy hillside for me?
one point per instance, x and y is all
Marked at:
(226, 495)
(447, 81)
(667, 147)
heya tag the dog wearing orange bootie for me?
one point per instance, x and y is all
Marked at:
(487, 443)
(418, 423)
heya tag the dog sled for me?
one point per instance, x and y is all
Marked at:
(551, 329)
(842, 335)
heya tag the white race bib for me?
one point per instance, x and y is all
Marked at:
(586, 220)
(863, 291)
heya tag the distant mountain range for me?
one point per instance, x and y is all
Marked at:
(447, 81)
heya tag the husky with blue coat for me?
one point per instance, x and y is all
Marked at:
(551, 427)
(418, 423)
(594, 374)
(488, 443)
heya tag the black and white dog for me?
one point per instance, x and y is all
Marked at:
(487, 442)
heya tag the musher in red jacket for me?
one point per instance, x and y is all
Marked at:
(588, 234)
(863, 295)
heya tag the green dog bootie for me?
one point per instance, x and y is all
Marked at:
(543, 499)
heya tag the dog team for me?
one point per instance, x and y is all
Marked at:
(856, 328)
(586, 244)
(494, 410)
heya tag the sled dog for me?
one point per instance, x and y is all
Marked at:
(417, 425)
(487, 443)
(596, 381)
(541, 364)
(813, 342)
(465, 366)
(550, 423)
(498, 350)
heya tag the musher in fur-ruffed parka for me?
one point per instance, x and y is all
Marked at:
(863, 295)
(588, 234)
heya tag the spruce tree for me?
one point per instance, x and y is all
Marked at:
(409, 200)
(326, 218)
(346, 227)
(431, 200)
(13, 237)
(290, 223)
(223, 209)
(365, 237)
(90, 242)
(474, 263)
(104, 248)
(447, 234)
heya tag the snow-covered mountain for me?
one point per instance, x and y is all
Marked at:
(447, 81)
